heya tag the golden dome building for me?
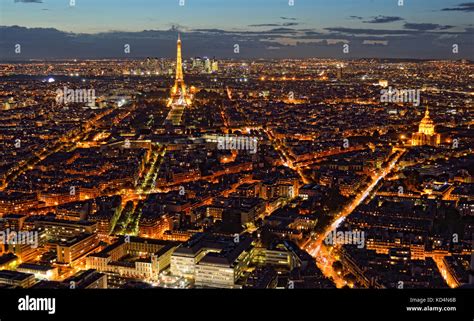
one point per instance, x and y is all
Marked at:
(426, 134)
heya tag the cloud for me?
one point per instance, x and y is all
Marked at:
(294, 42)
(50, 43)
(211, 31)
(381, 32)
(265, 25)
(426, 26)
(467, 7)
(178, 27)
(282, 30)
(277, 24)
(355, 17)
(383, 19)
(310, 32)
(285, 24)
(409, 29)
(375, 42)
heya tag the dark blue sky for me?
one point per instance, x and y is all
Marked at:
(266, 28)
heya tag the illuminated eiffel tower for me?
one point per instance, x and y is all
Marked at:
(180, 98)
(179, 93)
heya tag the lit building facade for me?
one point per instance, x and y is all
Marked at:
(426, 134)
(213, 261)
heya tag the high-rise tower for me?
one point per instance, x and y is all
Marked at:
(180, 98)
(179, 94)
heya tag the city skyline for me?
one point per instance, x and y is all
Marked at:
(239, 145)
(273, 29)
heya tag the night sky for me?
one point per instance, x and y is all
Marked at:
(262, 28)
